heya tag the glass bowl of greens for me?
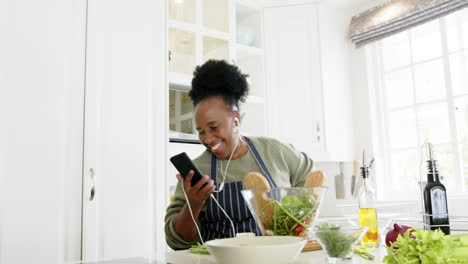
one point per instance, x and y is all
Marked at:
(338, 238)
(285, 211)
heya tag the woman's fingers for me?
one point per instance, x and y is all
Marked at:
(204, 180)
(179, 178)
(208, 189)
(188, 180)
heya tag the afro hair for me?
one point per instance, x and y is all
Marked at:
(219, 78)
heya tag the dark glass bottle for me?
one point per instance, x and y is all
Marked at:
(435, 198)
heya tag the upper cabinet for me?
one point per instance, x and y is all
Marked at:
(307, 73)
(215, 29)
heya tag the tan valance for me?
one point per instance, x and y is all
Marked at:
(397, 15)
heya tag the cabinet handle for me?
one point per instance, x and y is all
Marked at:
(169, 55)
(92, 192)
(318, 132)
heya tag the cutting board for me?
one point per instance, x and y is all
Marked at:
(311, 246)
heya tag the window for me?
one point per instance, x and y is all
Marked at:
(422, 95)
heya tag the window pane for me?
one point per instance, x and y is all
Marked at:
(405, 169)
(459, 72)
(180, 112)
(429, 81)
(215, 14)
(185, 103)
(464, 27)
(399, 88)
(433, 123)
(426, 43)
(182, 10)
(402, 129)
(395, 51)
(182, 48)
(215, 49)
(187, 126)
(457, 30)
(461, 118)
(464, 159)
(444, 156)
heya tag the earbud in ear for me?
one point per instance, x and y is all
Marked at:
(236, 128)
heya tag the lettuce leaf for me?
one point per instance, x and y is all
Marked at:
(427, 247)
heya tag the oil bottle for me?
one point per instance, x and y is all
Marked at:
(435, 197)
(367, 207)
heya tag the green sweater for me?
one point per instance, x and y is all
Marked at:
(287, 166)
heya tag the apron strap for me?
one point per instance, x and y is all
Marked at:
(257, 157)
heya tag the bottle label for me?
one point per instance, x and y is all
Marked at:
(439, 204)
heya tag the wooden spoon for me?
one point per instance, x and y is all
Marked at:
(255, 180)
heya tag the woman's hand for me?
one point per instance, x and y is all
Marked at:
(200, 192)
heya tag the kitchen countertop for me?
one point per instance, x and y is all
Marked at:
(184, 257)
(311, 257)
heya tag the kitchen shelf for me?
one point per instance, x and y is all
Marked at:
(248, 51)
(180, 81)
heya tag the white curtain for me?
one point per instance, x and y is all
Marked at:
(397, 15)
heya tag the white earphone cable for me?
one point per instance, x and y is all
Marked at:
(191, 214)
(221, 186)
(229, 218)
(212, 196)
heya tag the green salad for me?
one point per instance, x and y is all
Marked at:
(337, 243)
(199, 249)
(292, 216)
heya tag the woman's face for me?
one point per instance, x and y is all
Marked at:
(215, 123)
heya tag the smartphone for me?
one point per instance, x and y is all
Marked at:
(184, 164)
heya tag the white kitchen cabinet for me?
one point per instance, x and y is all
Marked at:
(308, 97)
(124, 91)
(41, 97)
(53, 130)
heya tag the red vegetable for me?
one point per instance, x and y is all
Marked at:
(298, 229)
(392, 235)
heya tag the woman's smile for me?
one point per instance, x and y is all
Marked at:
(216, 148)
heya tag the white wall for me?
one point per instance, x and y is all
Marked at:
(161, 128)
(41, 97)
(335, 68)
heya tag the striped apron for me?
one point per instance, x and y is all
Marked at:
(215, 224)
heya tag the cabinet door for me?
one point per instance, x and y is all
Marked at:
(294, 91)
(119, 130)
(41, 112)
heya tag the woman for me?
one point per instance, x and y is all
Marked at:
(217, 90)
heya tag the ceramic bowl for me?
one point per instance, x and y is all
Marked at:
(254, 250)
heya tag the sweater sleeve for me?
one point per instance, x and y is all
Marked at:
(172, 238)
(299, 164)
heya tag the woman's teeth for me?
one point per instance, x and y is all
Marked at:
(216, 146)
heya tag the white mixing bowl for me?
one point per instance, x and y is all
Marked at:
(255, 250)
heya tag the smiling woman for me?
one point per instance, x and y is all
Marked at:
(217, 90)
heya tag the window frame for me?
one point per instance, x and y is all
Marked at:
(380, 119)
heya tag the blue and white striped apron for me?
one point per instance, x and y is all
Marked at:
(215, 224)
